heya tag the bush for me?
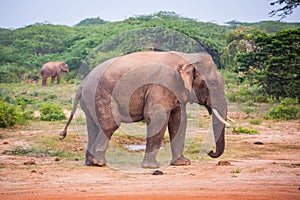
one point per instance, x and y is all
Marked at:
(10, 115)
(248, 94)
(241, 129)
(52, 112)
(286, 110)
(256, 121)
(37, 152)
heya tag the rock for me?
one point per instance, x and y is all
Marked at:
(223, 163)
(157, 172)
(31, 162)
(57, 159)
(36, 114)
(5, 142)
(258, 143)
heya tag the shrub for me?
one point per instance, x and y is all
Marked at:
(248, 94)
(286, 110)
(50, 97)
(249, 110)
(10, 115)
(256, 121)
(241, 129)
(37, 152)
(52, 112)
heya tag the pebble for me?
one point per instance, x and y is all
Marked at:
(258, 143)
(223, 163)
(31, 162)
(157, 172)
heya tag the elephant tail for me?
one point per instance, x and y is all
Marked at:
(63, 134)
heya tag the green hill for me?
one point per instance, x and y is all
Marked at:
(29, 47)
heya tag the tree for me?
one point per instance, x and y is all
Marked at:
(91, 21)
(286, 10)
(239, 41)
(275, 63)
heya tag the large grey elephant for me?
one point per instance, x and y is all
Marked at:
(155, 87)
(54, 69)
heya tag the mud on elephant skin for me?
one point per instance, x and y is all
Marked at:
(155, 87)
(54, 69)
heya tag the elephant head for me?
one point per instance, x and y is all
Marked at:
(65, 68)
(206, 87)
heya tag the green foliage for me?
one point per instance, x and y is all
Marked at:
(10, 115)
(249, 110)
(266, 26)
(287, 110)
(52, 112)
(91, 21)
(274, 63)
(36, 152)
(11, 73)
(23, 51)
(236, 171)
(256, 121)
(246, 93)
(241, 129)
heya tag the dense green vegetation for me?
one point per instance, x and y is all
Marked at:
(265, 55)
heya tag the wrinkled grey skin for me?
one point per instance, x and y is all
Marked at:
(154, 86)
(54, 69)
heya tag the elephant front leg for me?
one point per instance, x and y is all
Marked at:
(44, 81)
(58, 78)
(157, 119)
(52, 79)
(177, 130)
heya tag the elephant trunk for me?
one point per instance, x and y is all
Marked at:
(219, 113)
(219, 135)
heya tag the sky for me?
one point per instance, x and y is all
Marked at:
(20, 13)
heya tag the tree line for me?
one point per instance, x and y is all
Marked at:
(261, 51)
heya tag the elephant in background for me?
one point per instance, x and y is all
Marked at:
(155, 87)
(54, 69)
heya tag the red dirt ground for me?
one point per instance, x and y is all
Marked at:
(275, 175)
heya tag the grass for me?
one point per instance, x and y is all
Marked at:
(36, 152)
(256, 121)
(240, 129)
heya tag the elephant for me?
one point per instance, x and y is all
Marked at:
(155, 87)
(54, 69)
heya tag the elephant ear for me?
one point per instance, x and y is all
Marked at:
(195, 83)
(187, 74)
(63, 66)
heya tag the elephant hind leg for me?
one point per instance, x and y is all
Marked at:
(98, 140)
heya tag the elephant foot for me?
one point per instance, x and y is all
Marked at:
(181, 161)
(91, 161)
(150, 165)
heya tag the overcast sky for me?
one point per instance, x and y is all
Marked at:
(19, 13)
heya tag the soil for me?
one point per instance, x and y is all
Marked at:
(274, 174)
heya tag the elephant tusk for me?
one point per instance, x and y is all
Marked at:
(229, 119)
(219, 117)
